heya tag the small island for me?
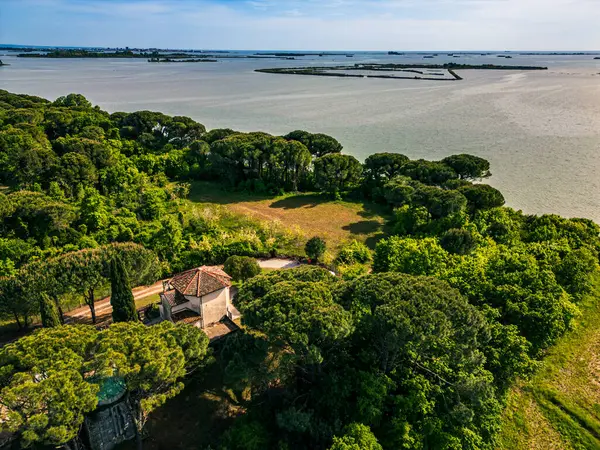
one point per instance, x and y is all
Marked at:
(557, 53)
(171, 60)
(80, 53)
(152, 55)
(395, 71)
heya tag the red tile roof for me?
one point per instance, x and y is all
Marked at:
(200, 281)
(172, 298)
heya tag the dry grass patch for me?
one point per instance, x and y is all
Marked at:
(308, 214)
(526, 427)
(559, 408)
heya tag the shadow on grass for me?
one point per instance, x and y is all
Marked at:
(372, 241)
(208, 192)
(9, 332)
(300, 201)
(364, 227)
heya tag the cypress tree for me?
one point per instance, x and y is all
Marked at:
(48, 311)
(121, 297)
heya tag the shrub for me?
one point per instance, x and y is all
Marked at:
(458, 241)
(241, 268)
(315, 248)
(412, 256)
(353, 253)
(352, 271)
(48, 312)
(153, 311)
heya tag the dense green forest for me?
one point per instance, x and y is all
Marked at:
(414, 346)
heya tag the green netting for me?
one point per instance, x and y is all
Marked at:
(110, 388)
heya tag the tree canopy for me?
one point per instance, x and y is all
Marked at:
(121, 297)
(468, 166)
(335, 173)
(50, 379)
(241, 268)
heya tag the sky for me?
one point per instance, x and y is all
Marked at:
(305, 24)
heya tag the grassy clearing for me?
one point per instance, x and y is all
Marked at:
(142, 302)
(308, 214)
(559, 408)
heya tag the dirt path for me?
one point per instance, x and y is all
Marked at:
(104, 310)
(278, 263)
(103, 307)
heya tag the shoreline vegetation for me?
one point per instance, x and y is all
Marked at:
(450, 67)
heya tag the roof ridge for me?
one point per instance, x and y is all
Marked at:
(216, 269)
(191, 279)
(212, 275)
(215, 276)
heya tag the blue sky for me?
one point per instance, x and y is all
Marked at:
(306, 24)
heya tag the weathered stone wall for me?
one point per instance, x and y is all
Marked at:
(214, 307)
(109, 426)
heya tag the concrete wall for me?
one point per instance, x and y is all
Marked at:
(194, 303)
(214, 306)
(178, 308)
(165, 310)
(228, 296)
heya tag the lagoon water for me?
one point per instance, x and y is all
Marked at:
(540, 130)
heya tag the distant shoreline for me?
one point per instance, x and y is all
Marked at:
(169, 60)
(49, 48)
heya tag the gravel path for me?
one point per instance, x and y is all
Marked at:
(278, 263)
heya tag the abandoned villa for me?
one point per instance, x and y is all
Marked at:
(201, 297)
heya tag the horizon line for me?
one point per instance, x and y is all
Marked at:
(293, 50)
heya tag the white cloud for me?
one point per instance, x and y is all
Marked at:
(316, 24)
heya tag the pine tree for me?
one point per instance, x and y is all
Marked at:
(121, 297)
(48, 312)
